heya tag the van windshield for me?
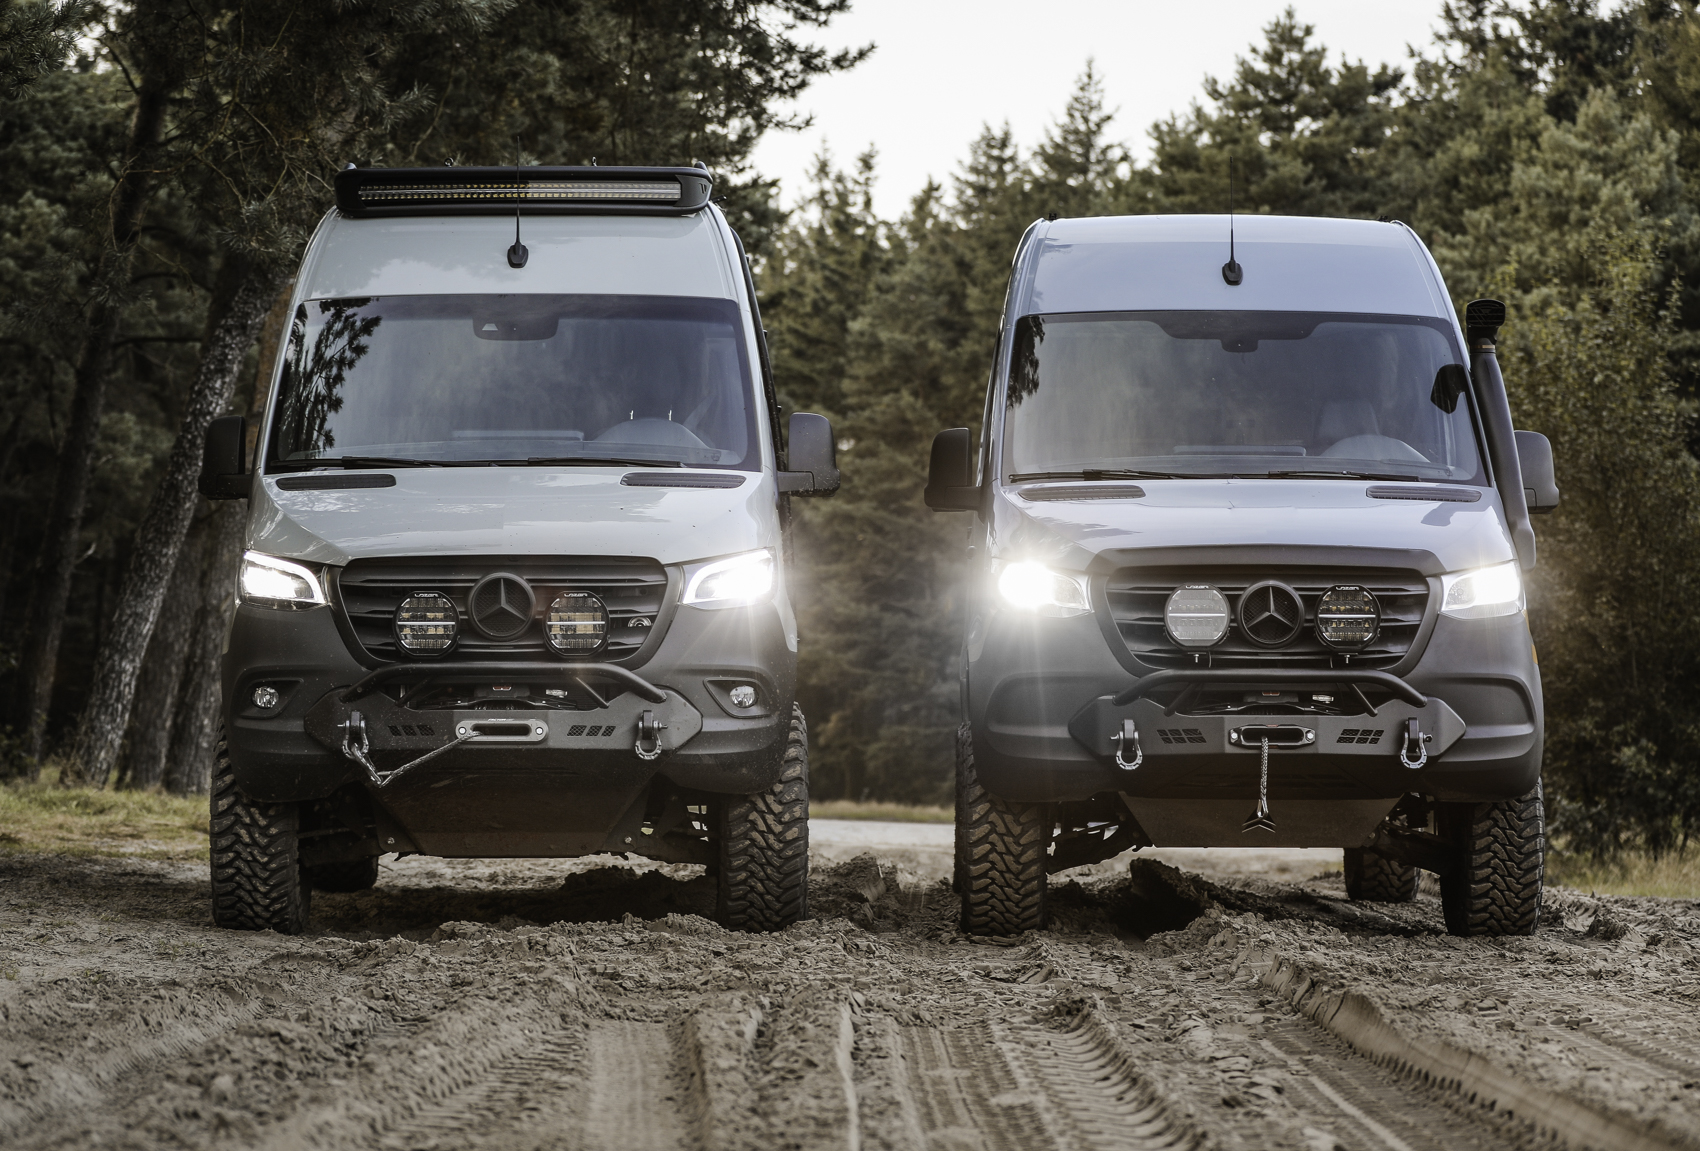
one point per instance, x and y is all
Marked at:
(515, 379)
(1238, 393)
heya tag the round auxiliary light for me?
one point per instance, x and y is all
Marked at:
(577, 623)
(1271, 614)
(1196, 616)
(1347, 617)
(426, 623)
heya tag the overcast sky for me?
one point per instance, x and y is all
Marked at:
(942, 68)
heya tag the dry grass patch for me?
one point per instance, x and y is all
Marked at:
(1674, 875)
(894, 812)
(44, 817)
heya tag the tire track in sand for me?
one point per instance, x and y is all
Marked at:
(1331, 1085)
(1012, 1087)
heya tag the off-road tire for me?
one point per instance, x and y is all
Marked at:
(344, 875)
(1002, 848)
(257, 882)
(959, 870)
(1373, 878)
(1495, 888)
(763, 884)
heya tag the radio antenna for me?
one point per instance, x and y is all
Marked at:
(1231, 271)
(517, 255)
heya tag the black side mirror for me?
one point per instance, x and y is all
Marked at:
(1540, 483)
(224, 467)
(950, 473)
(812, 457)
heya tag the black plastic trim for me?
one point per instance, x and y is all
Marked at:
(311, 483)
(1444, 494)
(680, 480)
(1158, 680)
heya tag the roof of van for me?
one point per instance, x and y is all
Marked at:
(1290, 263)
(569, 255)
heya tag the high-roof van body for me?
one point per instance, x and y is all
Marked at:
(1246, 565)
(518, 554)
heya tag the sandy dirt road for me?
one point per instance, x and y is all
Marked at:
(1231, 1003)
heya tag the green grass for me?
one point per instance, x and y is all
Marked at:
(1672, 875)
(44, 817)
(895, 812)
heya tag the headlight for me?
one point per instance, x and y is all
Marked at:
(1196, 616)
(267, 581)
(1347, 617)
(1036, 588)
(426, 623)
(1483, 593)
(736, 581)
(577, 623)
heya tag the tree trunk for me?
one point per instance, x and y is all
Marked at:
(70, 490)
(247, 291)
(195, 733)
(163, 666)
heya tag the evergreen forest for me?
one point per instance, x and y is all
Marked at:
(163, 161)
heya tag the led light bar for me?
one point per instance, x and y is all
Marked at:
(469, 191)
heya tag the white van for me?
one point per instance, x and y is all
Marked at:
(516, 579)
(1247, 568)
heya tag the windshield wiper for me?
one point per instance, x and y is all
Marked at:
(597, 461)
(1339, 474)
(1094, 475)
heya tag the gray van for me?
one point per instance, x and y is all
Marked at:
(1246, 568)
(518, 548)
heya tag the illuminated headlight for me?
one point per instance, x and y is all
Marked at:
(1196, 616)
(1347, 617)
(1036, 588)
(577, 622)
(1483, 593)
(426, 623)
(267, 581)
(736, 581)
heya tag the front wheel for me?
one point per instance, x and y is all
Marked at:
(257, 884)
(1494, 887)
(1001, 850)
(764, 845)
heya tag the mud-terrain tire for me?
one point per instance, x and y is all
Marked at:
(1373, 878)
(763, 883)
(1002, 848)
(1495, 888)
(959, 868)
(345, 875)
(257, 881)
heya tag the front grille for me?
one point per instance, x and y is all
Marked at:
(1137, 597)
(370, 590)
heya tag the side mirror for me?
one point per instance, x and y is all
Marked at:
(224, 468)
(950, 474)
(1540, 484)
(812, 457)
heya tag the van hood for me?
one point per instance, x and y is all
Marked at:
(512, 511)
(1081, 534)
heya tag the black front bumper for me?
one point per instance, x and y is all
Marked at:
(1040, 699)
(293, 752)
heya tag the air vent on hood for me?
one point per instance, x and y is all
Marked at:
(681, 480)
(333, 482)
(1085, 492)
(1429, 493)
